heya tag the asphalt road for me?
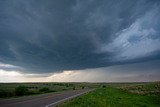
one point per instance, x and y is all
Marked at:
(45, 100)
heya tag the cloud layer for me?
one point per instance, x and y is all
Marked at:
(50, 36)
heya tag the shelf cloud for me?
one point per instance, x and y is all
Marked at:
(47, 36)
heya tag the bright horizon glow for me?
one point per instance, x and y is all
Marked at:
(104, 74)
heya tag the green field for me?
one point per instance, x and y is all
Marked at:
(104, 95)
(120, 95)
(8, 90)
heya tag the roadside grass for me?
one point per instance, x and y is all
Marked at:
(114, 97)
(14, 90)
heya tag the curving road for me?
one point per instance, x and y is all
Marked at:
(45, 100)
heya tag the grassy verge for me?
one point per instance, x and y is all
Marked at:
(113, 97)
(14, 90)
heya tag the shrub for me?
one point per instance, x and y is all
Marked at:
(103, 86)
(74, 88)
(82, 87)
(21, 90)
(44, 89)
(6, 93)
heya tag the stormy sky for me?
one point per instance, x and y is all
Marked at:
(94, 37)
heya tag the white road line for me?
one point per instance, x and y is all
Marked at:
(52, 104)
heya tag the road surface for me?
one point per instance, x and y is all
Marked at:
(45, 100)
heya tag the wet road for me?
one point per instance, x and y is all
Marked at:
(45, 100)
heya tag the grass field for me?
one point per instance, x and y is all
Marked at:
(8, 90)
(120, 95)
(104, 95)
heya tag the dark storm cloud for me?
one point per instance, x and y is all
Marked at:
(56, 35)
